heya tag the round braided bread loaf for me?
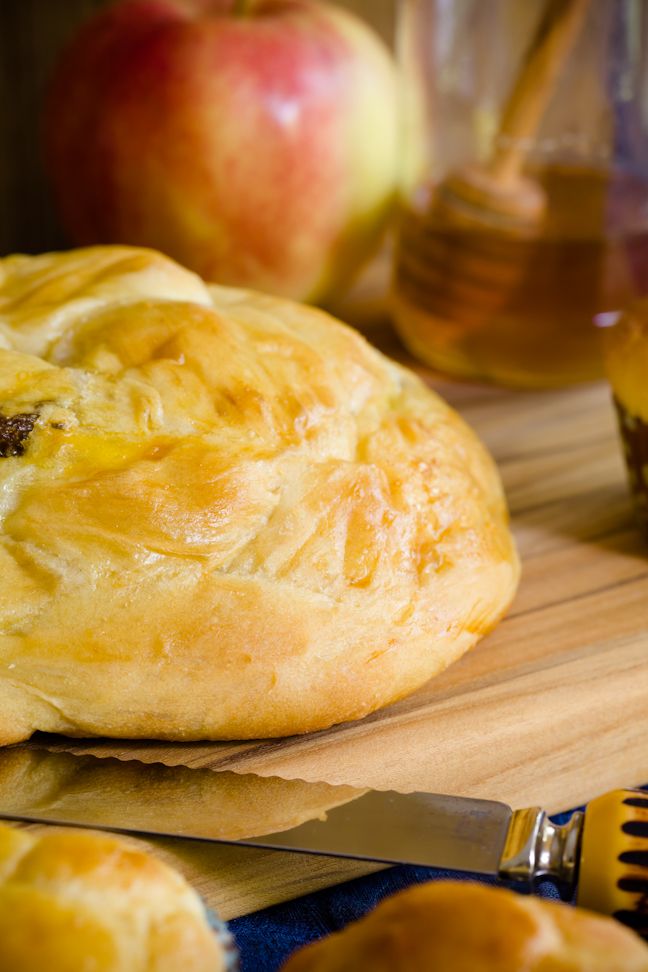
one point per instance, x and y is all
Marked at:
(223, 514)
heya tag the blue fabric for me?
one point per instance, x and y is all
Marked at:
(267, 938)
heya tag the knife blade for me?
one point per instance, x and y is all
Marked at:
(251, 811)
(38, 786)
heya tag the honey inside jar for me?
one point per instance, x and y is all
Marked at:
(491, 302)
(524, 219)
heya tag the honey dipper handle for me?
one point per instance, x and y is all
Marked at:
(559, 27)
(613, 875)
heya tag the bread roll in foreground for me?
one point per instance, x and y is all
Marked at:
(222, 514)
(449, 926)
(75, 901)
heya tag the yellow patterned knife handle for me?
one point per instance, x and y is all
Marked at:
(613, 875)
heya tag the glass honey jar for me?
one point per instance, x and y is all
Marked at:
(524, 213)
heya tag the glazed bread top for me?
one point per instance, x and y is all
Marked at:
(466, 927)
(224, 509)
(626, 354)
(72, 900)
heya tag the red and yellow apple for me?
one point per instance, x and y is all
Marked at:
(255, 142)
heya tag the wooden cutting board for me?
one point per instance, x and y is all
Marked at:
(550, 709)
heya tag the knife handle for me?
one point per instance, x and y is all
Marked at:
(613, 871)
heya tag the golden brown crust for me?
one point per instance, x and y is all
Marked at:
(469, 927)
(72, 900)
(626, 355)
(232, 517)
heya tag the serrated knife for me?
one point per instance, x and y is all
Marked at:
(607, 846)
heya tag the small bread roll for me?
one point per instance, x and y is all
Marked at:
(449, 926)
(73, 900)
(223, 515)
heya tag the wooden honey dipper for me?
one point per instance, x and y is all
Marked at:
(459, 261)
(498, 188)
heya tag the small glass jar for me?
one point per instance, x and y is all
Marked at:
(524, 218)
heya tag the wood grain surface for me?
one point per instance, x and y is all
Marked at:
(550, 709)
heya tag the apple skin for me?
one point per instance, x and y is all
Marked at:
(259, 150)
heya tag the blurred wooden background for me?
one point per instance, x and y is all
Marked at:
(32, 33)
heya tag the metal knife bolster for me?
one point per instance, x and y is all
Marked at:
(535, 848)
